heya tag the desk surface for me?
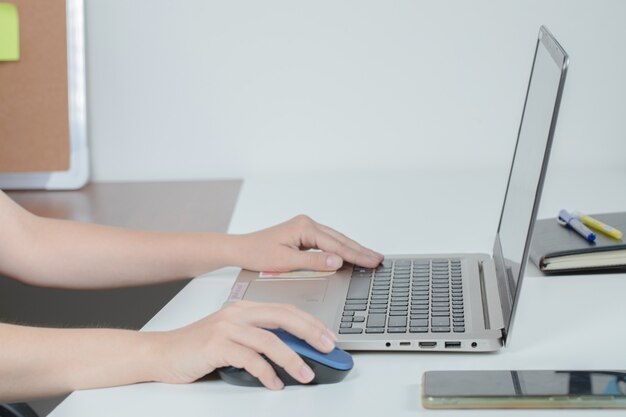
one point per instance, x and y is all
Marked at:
(563, 322)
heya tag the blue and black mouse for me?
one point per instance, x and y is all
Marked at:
(329, 368)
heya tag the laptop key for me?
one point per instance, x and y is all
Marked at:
(441, 321)
(418, 329)
(441, 297)
(419, 323)
(459, 329)
(356, 307)
(376, 320)
(436, 330)
(353, 330)
(399, 303)
(345, 325)
(359, 289)
(380, 287)
(379, 296)
(421, 294)
(358, 319)
(396, 330)
(397, 321)
(398, 313)
(374, 330)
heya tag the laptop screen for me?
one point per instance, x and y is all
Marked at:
(528, 168)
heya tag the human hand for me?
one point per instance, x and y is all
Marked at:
(236, 336)
(283, 248)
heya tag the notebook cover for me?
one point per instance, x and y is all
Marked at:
(552, 240)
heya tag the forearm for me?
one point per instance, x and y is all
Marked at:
(66, 254)
(39, 362)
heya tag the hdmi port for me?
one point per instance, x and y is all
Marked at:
(427, 344)
(452, 345)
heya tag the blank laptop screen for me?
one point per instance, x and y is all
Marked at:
(531, 155)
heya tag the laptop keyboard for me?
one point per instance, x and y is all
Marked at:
(405, 295)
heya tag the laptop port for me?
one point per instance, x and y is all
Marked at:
(427, 344)
(452, 345)
(405, 343)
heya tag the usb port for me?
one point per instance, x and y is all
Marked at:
(452, 345)
(427, 344)
(405, 343)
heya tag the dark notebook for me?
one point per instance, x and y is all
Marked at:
(559, 249)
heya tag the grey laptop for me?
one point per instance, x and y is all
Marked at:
(441, 302)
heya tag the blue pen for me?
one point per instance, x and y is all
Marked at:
(567, 220)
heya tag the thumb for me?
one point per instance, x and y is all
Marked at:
(315, 260)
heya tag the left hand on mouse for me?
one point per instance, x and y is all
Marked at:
(236, 336)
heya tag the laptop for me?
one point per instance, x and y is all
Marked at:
(442, 302)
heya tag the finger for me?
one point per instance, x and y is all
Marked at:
(289, 309)
(328, 243)
(241, 356)
(311, 319)
(294, 321)
(318, 261)
(266, 342)
(351, 243)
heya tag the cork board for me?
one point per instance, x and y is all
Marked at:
(34, 115)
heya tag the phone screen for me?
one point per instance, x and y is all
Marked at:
(517, 389)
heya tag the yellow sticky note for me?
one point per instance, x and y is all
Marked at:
(9, 33)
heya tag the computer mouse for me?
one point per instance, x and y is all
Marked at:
(329, 368)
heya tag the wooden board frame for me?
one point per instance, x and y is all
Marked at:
(78, 173)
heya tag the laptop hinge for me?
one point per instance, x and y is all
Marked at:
(483, 294)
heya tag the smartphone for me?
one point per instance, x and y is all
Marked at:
(524, 389)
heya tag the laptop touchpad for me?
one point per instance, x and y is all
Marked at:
(301, 292)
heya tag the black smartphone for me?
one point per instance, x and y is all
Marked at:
(524, 389)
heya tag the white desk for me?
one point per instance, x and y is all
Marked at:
(563, 322)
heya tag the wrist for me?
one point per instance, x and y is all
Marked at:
(233, 250)
(172, 361)
(153, 356)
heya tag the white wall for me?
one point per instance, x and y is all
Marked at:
(191, 89)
